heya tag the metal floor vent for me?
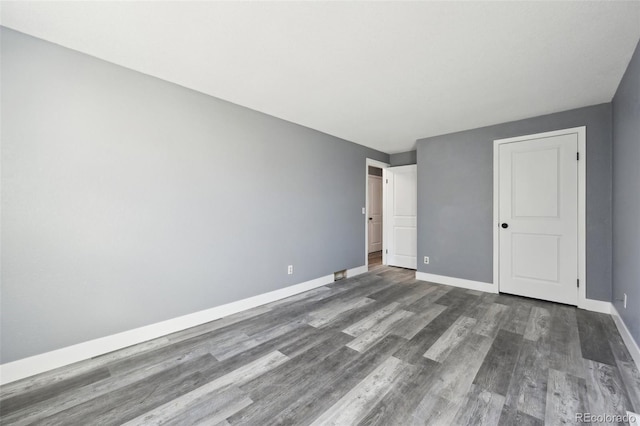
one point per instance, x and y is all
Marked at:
(337, 276)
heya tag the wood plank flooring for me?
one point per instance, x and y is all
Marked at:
(375, 258)
(377, 349)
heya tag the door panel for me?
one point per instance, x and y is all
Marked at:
(405, 241)
(538, 199)
(535, 183)
(375, 214)
(535, 256)
(401, 200)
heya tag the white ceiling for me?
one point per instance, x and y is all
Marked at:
(381, 74)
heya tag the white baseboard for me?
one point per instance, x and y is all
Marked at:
(457, 282)
(357, 271)
(22, 368)
(632, 345)
(595, 306)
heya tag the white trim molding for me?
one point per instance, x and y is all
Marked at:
(583, 302)
(26, 367)
(457, 282)
(596, 306)
(628, 339)
(357, 271)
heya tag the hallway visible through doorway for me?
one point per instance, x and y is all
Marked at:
(375, 260)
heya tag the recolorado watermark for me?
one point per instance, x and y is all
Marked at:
(606, 418)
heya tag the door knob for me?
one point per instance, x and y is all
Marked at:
(505, 225)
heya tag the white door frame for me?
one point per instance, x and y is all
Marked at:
(380, 165)
(583, 302)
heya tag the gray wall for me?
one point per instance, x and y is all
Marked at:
(403, 158)
(455, 196)
(127, 200)
(626, 196)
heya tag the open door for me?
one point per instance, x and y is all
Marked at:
(401, 199)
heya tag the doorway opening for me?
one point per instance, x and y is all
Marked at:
(374, 214)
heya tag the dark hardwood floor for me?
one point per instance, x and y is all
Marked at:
(380, 348)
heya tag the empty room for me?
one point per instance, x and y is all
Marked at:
(319, 213)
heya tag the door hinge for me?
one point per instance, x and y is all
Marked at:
(578, 156)
(386, 252)
(387, 181)
(578, 280)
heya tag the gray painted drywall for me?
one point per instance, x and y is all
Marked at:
(626, 196)
(455, 196)
(128, 200)
(403, 158)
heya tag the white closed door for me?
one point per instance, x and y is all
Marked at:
(401, 198)
(538, 218)
(375, 213)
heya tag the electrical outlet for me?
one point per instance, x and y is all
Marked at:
(290, 270)
(364, 210)
(625, 301)
(426, 260)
